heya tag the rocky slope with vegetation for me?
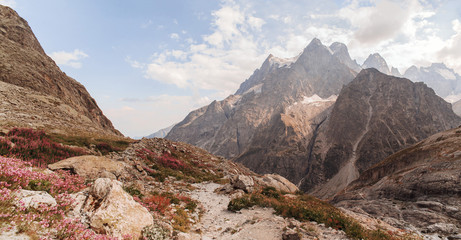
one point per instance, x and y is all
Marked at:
(35, 92)
(417, 187)
(158, 189)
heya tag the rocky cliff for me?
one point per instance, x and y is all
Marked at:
(25, 67)
(374, 116)
(417, 187)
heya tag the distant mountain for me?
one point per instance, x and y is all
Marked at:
(443, 80)
(376, 61)
(161, 133)
(395, 72)
(374, 116)
(35, 92)
(416, 188)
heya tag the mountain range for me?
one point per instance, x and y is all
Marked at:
(314, 120)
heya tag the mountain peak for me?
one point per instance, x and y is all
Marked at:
(376, 61)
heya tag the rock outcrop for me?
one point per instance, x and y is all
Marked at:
(91, 167)
(278, 182)
(374, 116)
(111, 210)
(26, 68)
(415, 187)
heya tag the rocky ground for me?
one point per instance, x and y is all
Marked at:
(131, 192)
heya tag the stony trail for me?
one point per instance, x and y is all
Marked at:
(248, 224)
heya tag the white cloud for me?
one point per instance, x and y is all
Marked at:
(71, 59)
(9, 3)
(221, 59)
(174, 36)
(452, 50)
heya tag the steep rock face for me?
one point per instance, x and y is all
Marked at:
(373, 117)
(24, 63)
(269, 121)
(417, 186)
(376, 61)
(442, 79)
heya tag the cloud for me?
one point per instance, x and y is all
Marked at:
(219, 61)
(71, 59)
(174, 36)
(376, 23)
(9, 3)
(452, 50)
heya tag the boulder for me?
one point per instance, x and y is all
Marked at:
(278, 182)
(243, 182)
(110, 210)
(90, 167)
(35, 199)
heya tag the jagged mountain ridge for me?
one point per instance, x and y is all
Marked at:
(374, 116)
(23, 63)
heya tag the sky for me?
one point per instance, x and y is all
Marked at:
(148, 63)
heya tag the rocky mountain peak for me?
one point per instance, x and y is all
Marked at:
(26, 67)
(395, 72)
(340, 51)
(376, 61)
(17, 30)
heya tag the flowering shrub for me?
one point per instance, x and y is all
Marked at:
(156, 203)
(50, 221)
(35, 146)
(166, 160)
(15, 174)
(308, 208)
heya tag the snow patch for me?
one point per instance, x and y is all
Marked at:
(283, 62)
(446, 73)
(256, 89)
(316, 100)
